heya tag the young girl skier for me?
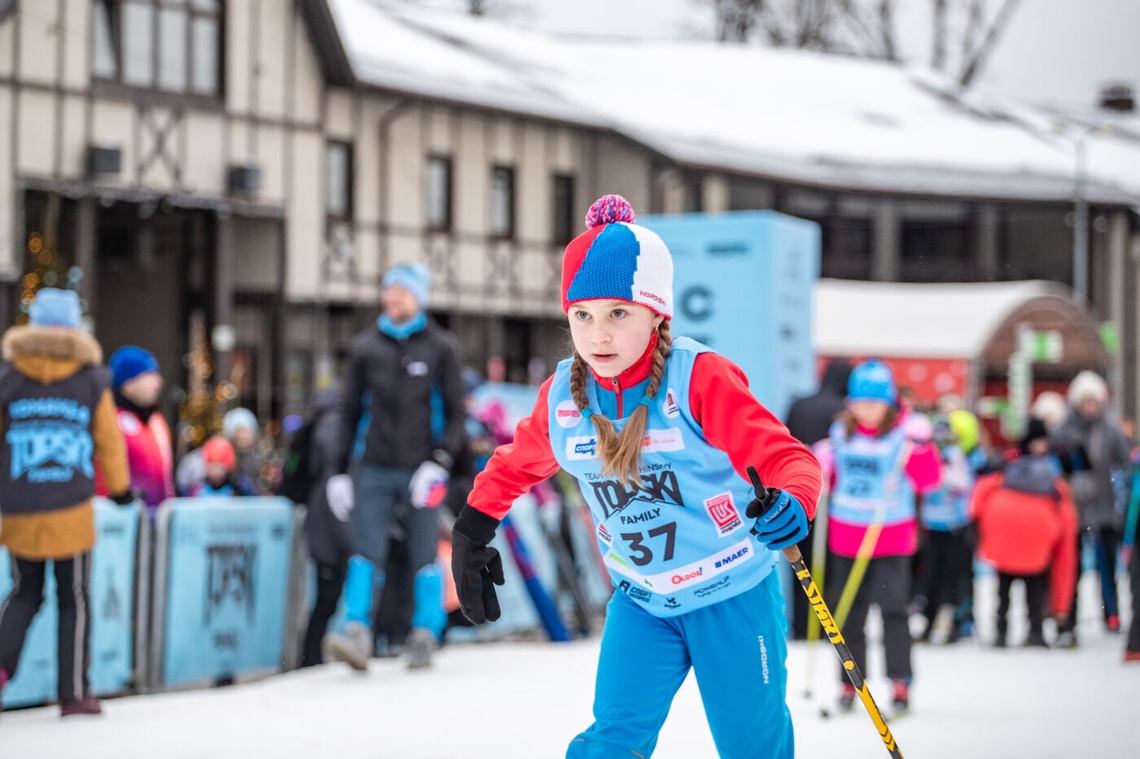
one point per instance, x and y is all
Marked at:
(660, 433)
(872, 520)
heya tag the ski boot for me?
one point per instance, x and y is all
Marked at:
(86, 705)
(847, 698)
(421, 643)
(1066, 635)
(353, 648)
(900, 698)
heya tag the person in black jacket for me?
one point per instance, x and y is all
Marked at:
(404, 377)
(809, 421)
(326, 520)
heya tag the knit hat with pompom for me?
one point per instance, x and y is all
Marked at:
(616, 258)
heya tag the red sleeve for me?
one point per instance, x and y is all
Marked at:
(1063, 575)
(983, 489)
(516, 466)
(736, 423)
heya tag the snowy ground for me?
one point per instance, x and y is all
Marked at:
(509, 700)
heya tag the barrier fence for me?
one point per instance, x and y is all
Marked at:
(218, 590)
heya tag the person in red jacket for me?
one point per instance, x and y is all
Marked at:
(1027, 528)
(137, 386)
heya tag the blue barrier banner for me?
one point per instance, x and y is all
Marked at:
(742, 284)
(112, 593)
(227, 585)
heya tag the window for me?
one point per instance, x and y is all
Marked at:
(438, 193)
(169, 45)
(938, 242)
(747, 194)
(338, 179)
(502, 202)
(563, 211)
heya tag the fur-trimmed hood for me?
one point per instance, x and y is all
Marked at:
(50, 354)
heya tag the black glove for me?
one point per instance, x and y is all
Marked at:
(476, 567)
(127, 497)
(781, 521)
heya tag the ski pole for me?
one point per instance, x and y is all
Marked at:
(815, 598)
(858, 569)
(818, 562)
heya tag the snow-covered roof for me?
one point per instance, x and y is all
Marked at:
(792, 115)
(915, 320)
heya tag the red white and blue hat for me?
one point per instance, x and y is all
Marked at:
(615, 258)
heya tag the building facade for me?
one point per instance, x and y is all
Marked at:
(216, 174)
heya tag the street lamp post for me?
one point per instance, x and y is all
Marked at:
(1080, 224)
(1081, 210)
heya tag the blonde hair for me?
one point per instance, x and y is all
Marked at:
(889, 418)
(621, 453)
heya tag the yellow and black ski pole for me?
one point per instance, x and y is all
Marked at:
(815, 598)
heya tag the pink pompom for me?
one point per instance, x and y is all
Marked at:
(608, 209)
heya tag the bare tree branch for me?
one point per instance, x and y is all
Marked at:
(979, 56)
(938, 53)
(863, 26)
(887, 29)
(962, 38)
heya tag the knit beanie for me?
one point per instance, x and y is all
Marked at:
(217, 450)
(53, 307)
(415, 278)
(615, 258)
(1087, 385)
(238, 419)
(1034, 430)
(129, 362)
(872, 380)
(967, 430)
(1050, 407)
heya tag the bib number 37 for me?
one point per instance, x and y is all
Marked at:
(640, 553)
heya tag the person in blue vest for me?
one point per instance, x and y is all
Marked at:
(948, 548)
(881, 464)
(660, 433)
(57, 428)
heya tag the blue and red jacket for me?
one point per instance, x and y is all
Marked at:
(681, 541)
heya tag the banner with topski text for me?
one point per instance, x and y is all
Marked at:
(742, 285)
(227, 565)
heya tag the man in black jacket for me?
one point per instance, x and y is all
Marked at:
(402, 426)
(809, 421)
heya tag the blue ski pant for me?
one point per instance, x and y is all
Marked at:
(379, 493)
(737, 651)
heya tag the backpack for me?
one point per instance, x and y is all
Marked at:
(298, 475)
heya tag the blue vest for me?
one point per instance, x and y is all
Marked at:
(942, 509)
(680, 541)
(46, 455)
(870, 474)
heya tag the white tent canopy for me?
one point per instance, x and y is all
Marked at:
(916, 320)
